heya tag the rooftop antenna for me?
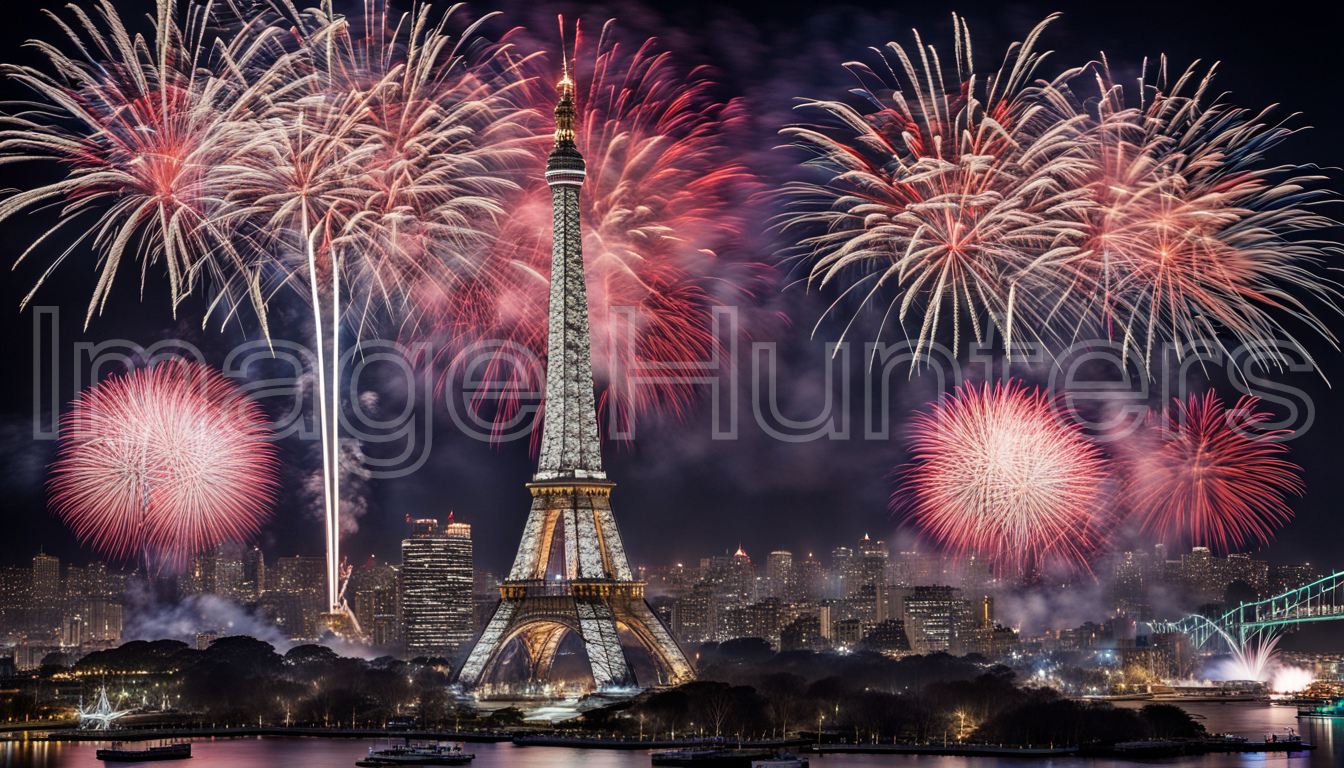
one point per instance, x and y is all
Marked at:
(564, 54)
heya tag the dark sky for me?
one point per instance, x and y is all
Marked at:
(681, 496)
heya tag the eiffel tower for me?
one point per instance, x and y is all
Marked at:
(570, 533)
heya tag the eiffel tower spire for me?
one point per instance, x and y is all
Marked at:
(571, 574)
(570, 448)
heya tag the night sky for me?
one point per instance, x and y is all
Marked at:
(681, 496)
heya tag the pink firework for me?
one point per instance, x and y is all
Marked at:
(947, 196)
(1211, 476)
(164, 462)
(140, 128)
(663, 206)
(1191, 233)
(1001, 471)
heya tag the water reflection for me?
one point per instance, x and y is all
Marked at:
(1248, 719)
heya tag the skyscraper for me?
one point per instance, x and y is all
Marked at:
(937, 619)
(436, 581)
(373, 597)
(779, 574)
(298, 595)
(46, 577)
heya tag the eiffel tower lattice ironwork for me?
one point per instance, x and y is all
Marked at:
(570, 534)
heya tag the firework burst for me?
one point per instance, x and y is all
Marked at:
(141, 127)
(378, 168)
(663, 205)
(1001, 471)
(1210, 476)
(165, 462)
(1189, 231)
(945, 198)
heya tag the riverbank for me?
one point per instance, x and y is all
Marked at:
(145, 734)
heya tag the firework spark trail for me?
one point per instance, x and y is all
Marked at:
(1003, 473)
(663, 207)
(1209, 476)
(1189, 230)
(956, 192)
(141, 126)
(165, 462)
(381, 163)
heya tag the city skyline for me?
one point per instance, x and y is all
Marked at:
(1062, 358)
(758, 479)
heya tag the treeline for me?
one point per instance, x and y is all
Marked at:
(239, 680)
(745, 691)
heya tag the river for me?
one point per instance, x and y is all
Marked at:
(1249, 719)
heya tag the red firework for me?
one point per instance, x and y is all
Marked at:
(1209, 476)
(165, 461)
(664, 198)
(1004, 473)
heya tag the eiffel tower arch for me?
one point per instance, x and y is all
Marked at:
(571, 575)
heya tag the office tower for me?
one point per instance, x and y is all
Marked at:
(436, 586)
(809, 580)
(694, 616)
(779, 575)
(298, 596)
(46, 577)
(888, 637)
(16, 600)
(869, 566)
(254, 574)
(803, 634)
(937, 619)
(373, 597)
(842, 563)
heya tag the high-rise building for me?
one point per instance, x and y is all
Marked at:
(842, 563)
(1200, 572)
(803, 634)
(779, 575)
(887, 637)
(694, 616)
(1252, 573)
(16, 600)
(755, 620)
(254, 574)
(937, 619)
(809, 580)
(1286, 577)
(46, 577)
(436, 587)
(372, 594)
(869, 567)
(298, 595)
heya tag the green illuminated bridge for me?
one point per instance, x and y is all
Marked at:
(1321, 600)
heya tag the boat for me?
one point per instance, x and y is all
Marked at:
(117, 753)
(1334, 709)
(417, 753)
(719, 757)
(1291, 737)
(781, 761)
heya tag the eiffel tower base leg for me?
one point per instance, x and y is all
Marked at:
(538, 624)
(597, 624)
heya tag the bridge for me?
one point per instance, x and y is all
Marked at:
(1320, 600)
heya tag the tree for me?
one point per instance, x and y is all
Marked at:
(1169, 721)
